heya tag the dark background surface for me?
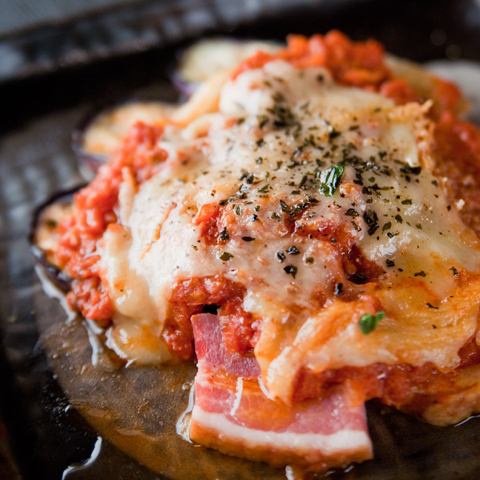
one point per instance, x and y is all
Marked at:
(58, 40)
(52, 75)
(22, 14)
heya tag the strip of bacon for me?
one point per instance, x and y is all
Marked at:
(233, 414)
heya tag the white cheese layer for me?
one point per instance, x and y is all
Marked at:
(264, 157)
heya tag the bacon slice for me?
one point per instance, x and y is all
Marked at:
(233, 413)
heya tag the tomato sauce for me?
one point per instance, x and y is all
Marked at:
(94, 210)
(209, 221)
(214, 294)
(358, 64)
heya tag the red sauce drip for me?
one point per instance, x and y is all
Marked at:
(93, 212)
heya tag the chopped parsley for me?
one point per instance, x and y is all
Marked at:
(330, 179)
(411, 170)
(225, 256)
(454, 271)
(332, 134)
(223, 235)
(371, 219)
(284, 206)
(368, 322)
(51, 223)
(351, 212)
(291, 270)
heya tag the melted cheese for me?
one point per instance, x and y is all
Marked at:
(288, 127)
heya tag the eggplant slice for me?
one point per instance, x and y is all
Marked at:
(141, 410)
(208, 57)
(100, 133)
(42, 236)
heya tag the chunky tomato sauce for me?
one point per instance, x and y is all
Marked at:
(94, 211)
(215, 294)
(360, 64)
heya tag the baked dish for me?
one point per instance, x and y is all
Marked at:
(305, 228)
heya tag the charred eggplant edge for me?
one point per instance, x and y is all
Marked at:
(54, 274)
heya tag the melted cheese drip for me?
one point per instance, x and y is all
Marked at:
(289, 126)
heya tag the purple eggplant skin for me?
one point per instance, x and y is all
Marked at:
(185, 88)
(59, 278)
(88, 163)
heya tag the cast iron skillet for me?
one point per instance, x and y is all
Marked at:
(47, 435)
